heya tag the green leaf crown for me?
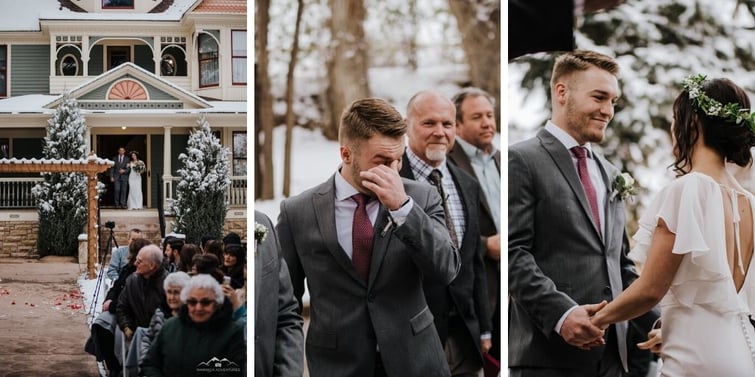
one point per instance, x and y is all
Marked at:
(731, 112)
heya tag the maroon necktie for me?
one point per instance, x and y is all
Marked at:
(584, 176)
(361, 237)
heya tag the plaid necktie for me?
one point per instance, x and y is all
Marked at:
(435, 178)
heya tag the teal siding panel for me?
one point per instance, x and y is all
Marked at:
(143, 58)
(96, 61)
(30, 70)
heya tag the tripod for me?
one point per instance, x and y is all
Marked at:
(110, 242)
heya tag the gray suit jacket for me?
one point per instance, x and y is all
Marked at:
(557, 258)
(278, 340)
(468, 292)
(351, 318)
(115, 170)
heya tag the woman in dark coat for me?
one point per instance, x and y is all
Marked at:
(202, 340)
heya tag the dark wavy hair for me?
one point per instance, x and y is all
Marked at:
(730, 140)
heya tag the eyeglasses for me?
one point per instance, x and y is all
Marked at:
(204, 302)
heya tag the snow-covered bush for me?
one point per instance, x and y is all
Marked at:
(62, 197)
(200, 206)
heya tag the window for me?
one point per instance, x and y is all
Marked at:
(239, 153)
(209, 68)
(168, 65)
(238, 45)
(3, 71)
(117, 55)
(117, 4)
(69, 66)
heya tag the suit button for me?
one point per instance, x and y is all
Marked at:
(371, 297)
(607, 290)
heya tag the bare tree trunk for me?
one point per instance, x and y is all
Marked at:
(263, 104)
(347, 67)
(480, 28)
(290, 102)
(412, 37)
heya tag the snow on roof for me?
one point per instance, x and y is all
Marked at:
(25, 15)
(34, 104)
(39, 161)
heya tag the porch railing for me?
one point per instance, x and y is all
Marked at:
(16, 192)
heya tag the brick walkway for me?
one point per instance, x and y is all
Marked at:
(43, 326)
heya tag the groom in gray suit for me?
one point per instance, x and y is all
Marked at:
(363, 240)
(567, 236)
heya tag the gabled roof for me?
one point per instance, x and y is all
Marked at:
(221, 6)
(132, 71)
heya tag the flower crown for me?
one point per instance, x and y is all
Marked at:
(730, 112)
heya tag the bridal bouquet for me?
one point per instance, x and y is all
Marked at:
(138, 167)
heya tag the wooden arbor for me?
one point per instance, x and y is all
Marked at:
(89, 166)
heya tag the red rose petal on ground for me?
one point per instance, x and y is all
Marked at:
(13, 303)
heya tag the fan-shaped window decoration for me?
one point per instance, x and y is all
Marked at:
(69, 66)
(127, 90)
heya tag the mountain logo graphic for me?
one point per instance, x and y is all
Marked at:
(218, 365)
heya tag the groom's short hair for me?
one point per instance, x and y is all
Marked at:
(581, 60)
(366, 117)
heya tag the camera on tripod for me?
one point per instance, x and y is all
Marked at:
(110, 225)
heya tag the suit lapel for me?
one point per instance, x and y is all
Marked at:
(607, 213)
(380, 242)
(563, 161)
(325, 212)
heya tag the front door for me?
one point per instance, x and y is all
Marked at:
(117, 55)
(107, 147)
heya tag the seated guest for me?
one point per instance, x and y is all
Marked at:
(204, 241)
(234, 259)
(232, 238)
(102, 341)
(172, 249)
(202, 331)
(184, 256)
(214, 247)
(143, 292)
(207, 264)
(173, 285)
(119, 258)
(237, 297)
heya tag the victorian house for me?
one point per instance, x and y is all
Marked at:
(143, 73)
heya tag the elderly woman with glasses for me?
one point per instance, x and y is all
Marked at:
(202, 339)
(173, 284)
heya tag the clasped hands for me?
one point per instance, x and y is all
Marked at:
(580, 330)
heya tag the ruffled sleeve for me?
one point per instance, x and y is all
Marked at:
(692, 208)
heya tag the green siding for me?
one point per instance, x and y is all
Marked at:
(143, 58)
(96, 59)
(30, 69)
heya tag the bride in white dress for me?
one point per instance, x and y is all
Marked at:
(135, 198)
(696, 241)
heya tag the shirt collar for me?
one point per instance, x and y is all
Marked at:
(566, 140)
(472, 151)
(344, 190)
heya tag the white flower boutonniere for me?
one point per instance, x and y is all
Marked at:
(623, 186)
(260, 232)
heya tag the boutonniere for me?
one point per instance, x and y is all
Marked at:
(623, 186)
(260, 234)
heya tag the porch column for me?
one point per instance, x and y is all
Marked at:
(156, 53)
(53, 54)
(85, 53)
(167, 183)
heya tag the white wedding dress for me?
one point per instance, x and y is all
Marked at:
(705, 325)
(134, 190)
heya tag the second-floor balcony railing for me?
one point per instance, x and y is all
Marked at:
(16, 192)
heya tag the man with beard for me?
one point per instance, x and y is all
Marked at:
(363, 240)
(461, 308)
(567, 235)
